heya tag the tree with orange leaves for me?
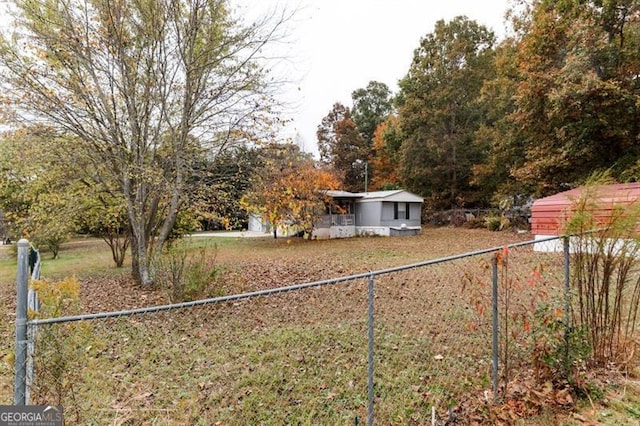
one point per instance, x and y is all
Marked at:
(291, 192)
(386, 157)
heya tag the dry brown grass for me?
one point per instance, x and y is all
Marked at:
(296, 358)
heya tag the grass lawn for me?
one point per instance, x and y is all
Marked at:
(294, 358)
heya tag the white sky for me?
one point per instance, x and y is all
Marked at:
(338, 46)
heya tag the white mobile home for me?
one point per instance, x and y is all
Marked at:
(386, 213)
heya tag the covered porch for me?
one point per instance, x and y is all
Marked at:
(339, 220)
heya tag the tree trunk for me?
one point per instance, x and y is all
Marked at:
(118, 243)
(143, 263)
(135, 270)
(139, 246)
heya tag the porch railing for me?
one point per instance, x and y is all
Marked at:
(330, 220)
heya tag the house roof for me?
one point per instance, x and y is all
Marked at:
(550, 213)
(397, 195)
(342, 194)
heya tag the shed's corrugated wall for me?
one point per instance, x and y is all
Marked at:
(549, 214)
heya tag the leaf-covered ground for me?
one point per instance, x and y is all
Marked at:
(295, 358)
(254, 264)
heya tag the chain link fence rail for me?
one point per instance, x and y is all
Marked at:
(425, 343)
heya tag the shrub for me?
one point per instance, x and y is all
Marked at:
(558, 353)
(60, 348)
(476, 223)
(188, 276)
(604, 278)
(496, 223)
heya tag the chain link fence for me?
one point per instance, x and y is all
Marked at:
(426, 343)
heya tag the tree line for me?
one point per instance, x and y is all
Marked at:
(478, 122)
(140, 121)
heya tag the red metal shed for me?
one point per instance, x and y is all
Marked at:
(549, 214)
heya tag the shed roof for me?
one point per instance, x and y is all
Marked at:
(550, 213)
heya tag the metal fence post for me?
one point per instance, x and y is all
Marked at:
(22, 280)
(370, 353)
(494, 315)
(567, 300)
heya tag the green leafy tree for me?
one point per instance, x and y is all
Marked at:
(105, 216)
(371, 106)
(342, 146)
(496, 136)
(577, 97)
(219, 185)
(144, 86)
(46, 200)
(36, 196)
(440, 113)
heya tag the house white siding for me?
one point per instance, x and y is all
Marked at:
(369, 214)
(384, 213)
(256, 224)
(337, 231)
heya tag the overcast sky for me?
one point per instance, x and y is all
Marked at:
(338, 46)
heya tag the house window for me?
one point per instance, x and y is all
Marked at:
(400, 211)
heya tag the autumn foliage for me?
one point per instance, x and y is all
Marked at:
(290, 192)
(385, 160)
(482, 120)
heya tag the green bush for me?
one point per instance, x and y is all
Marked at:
(492, 223)
(558, 353)
(476, 223)
(188, 276)
(496, 223)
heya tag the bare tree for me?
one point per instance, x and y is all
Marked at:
(146, 85)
